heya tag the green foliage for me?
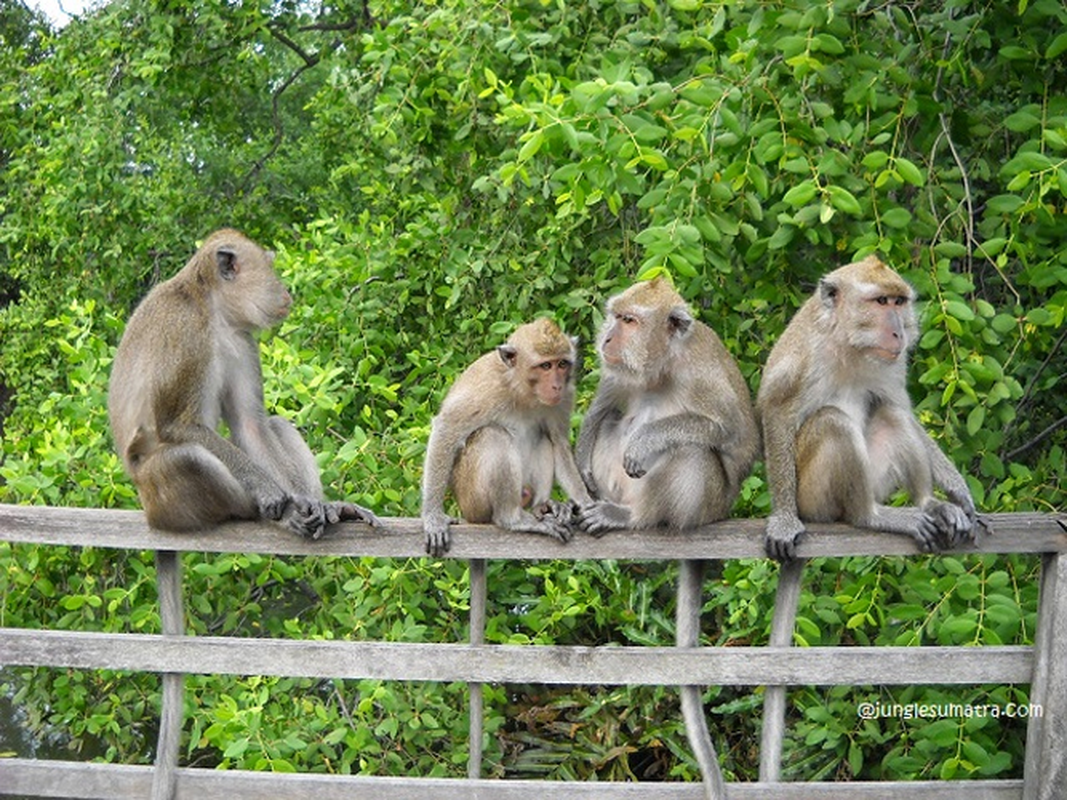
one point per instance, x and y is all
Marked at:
(432, 175)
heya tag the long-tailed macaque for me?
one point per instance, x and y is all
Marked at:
(188, 360)
(667, 441)
(838, 428)
(671, 433)
(502, 440)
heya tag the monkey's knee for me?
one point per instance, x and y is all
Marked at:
(186, 488)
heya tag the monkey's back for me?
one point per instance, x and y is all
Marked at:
(161, 353)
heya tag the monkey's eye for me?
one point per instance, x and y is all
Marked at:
(882, 301)
(564, 364)
(545, 365)
(626, 319)
(900, 301)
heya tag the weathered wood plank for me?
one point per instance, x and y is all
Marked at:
(644, 666)
(402, 537)
(1045, 769)
(119, 782)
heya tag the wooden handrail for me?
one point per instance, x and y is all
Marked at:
(776, 666)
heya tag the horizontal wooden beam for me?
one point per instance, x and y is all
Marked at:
(120, 782)
(402, 536)
(405, 661)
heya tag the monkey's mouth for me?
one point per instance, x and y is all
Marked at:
(884, 353)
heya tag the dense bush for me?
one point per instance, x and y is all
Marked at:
(431, 175)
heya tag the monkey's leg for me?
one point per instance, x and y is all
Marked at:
(185, 487)
(833, 473)
(291, 459)
(488, 484)
(835, 481)
(683, 490)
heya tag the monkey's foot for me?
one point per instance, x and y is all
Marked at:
(948, 525)
(305, 516)
(780, 540)
(341, 511)
(560, 513)
(600, 517)
(438, 535)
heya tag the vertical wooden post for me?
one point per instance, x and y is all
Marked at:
(477, 636)
(172, 618)
(782, 625)
(1045, 768)
(687, 634)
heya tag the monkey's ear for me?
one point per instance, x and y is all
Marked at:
(508, 353)
(679, 321)
(828, 293)
(226, 259)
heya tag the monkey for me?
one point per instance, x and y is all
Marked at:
(839, 432)
(671, 433)
(667, 441)
(188, 360)
(500, 440)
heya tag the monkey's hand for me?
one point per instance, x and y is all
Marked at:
(780, 540)
(273, 505)
(438, 535)
(598, 518)
(561, 516)
(305, 516)
(638, 457)
(947, 525)
(341, 511)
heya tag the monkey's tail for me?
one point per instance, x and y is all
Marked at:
(690, 591)
(696, 729)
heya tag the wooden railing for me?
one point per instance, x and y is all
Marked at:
(776, 666)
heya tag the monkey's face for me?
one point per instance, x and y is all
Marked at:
(873, 307)
(548, 379)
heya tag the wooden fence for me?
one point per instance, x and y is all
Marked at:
(776, 666)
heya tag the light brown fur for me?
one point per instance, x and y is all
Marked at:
(838, 428)
(187, 361)
(671, 433)
(501, 440)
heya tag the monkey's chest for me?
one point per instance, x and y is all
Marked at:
(608, 455)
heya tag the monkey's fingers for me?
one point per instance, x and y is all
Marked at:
(305, 517)
(780, 540)
(341, 511)
(273, 506)
(438, 539)
(929, 535)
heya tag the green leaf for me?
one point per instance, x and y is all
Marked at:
(843, 200)
(909, 172)
(1057, 47)
(801, 194)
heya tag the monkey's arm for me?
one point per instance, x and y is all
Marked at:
(441, 451)
(780, 458)
(668, 434)
(958, 519)
(602, 407)
(566, 468)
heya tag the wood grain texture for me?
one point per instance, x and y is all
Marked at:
(117, 782)
(402, 536)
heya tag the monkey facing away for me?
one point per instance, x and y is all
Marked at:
(671, 433)
(501, 440)
(839, 432)
(188, 360)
